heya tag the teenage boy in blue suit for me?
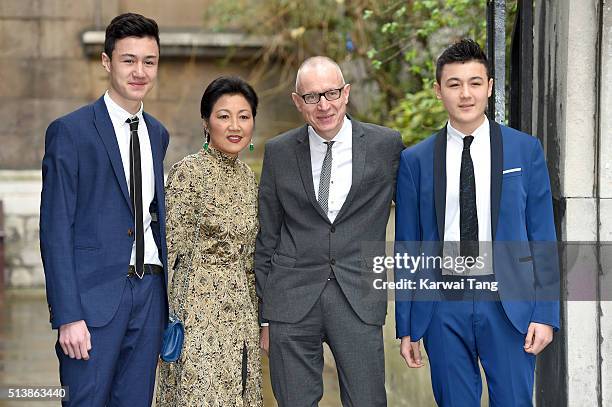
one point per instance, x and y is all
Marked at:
(476, 181)
(102, 231)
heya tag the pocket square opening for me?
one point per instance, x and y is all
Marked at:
(510, 170)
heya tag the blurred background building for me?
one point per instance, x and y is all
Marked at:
(50, 65)
(559, 67)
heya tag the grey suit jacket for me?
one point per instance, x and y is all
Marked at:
(297, 246)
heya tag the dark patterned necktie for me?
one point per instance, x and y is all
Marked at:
(136, 194)
(325, 177)
(468, 216)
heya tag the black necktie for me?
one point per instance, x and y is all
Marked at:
(468, 216)
(136, 194)
(325, 177)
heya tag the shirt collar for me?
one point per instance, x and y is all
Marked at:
(118, 113)
(344, 135)
(480, 132)
(220, 155)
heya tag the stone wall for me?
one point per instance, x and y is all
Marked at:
(605, 197)
(572, 104)
(20, 194)
(45, 73)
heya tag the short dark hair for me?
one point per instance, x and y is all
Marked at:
(129, 25)
(227, 85)
(462, 51)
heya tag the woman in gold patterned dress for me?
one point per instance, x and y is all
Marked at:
(211, 228)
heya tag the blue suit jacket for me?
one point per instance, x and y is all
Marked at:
(525, 259)
(86, 215)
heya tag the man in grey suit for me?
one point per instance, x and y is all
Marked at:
(326, 188)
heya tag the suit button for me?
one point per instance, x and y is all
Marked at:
(333, 229)
(130, 232)
(332, 261)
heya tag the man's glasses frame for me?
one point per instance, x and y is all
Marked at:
(330, 95)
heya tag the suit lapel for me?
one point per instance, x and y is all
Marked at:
(497, 162)
(105, 129)
(358, 152)
(302, 152)
(155, 141)
(439, 164)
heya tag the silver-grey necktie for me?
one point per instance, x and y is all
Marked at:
(325, 177)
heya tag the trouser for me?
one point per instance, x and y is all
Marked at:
(296, 355)
(123, 358)
(471, 328)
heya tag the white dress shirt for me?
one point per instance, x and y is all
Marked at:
(118, 117)
(341, 169)
(480, 151)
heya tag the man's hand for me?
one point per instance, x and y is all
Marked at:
(264, 339)
(538, 337)
(75, 340)
(411, 352)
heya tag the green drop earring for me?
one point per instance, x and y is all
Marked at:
(206, 139)
(251, 146)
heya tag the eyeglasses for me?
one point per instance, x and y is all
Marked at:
(313, 98)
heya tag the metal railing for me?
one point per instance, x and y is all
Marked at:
(496, 50)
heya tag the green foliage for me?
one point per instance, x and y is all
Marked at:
(418, 115)
(411, 36)
(399, 41)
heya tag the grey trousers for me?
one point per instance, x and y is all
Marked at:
(296, 355)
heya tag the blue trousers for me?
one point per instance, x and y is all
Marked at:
(463, 331)
(123, 358)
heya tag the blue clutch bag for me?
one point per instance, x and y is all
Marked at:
(172, 342)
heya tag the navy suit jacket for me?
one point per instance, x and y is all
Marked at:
(525, 259)
(86, 219)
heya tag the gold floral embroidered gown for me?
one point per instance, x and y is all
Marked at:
(213, 294)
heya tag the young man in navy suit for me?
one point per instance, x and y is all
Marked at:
(475, 182)
(102, 231)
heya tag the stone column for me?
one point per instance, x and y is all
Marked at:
(573, 52)
(605, 200)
